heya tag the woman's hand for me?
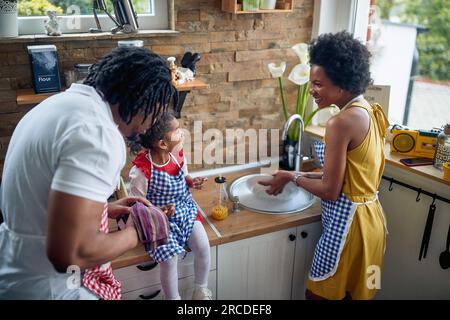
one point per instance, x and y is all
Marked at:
(196, 183)
(278, 182)
(123, 206)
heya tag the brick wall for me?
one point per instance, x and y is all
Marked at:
(235, 52)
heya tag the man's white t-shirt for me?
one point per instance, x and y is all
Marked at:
(68, 143)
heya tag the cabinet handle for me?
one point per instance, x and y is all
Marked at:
(292, 237)
(304, 234)
(150, 296)
(147, 267)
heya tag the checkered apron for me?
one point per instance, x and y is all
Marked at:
(100, 280)
(163, 189)
(337, 217)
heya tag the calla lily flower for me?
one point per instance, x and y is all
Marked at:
(277, 71)
(300, 74)
(301, 50)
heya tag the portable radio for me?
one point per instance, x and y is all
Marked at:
(415, 143)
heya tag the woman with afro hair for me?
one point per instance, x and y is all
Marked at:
(349, 256)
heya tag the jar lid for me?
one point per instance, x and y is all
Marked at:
(82, 66)
(220, 179)
(130, 43)
(447, 128)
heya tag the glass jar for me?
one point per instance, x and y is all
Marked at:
(81, 71)
(219, 209)
(442, 154)
(250, 5)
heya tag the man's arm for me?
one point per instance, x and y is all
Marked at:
(73, 235)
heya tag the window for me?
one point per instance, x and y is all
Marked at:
(76, 16)
(409, 44)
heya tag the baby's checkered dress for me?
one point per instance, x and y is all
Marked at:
(164, 188)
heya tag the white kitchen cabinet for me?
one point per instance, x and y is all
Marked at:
(185, 287)
(270, 266)
(142, 281)
(307, 237)
(256, 268)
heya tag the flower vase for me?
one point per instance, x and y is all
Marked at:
(8, 19)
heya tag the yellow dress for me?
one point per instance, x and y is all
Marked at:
(361, 260)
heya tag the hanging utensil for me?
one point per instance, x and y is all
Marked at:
(427, 231)
(444, 257)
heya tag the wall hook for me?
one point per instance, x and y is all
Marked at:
(390, 185)
(434, 199)
(418, 195)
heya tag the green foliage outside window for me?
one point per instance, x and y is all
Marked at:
(39, 7)
(433, 46)
(36, 7)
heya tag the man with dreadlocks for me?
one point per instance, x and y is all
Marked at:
(62, 164)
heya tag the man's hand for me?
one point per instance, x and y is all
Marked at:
(278, 182)
(196, 183)
(123, 206)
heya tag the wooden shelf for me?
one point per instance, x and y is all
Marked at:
(29, 97)
(232, 6)
(195, 84)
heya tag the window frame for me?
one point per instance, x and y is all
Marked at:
(160, 19)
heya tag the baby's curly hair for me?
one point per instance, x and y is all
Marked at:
(344, 59)
(158, 131)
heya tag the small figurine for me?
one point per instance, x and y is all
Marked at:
(52, 25)
(173, 70)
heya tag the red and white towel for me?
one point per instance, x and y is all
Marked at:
(100, 280)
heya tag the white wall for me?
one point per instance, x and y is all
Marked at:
(391, 64)
(404, 276)
(331, 16)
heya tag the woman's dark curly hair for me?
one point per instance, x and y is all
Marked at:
(158, 131)
(134, 78)
(344, 59)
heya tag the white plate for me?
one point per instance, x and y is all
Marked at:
(253, 196)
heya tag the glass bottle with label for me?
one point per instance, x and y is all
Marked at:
(442, 148)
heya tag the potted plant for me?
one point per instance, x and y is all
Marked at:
(300, 76)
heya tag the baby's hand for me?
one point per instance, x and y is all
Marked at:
(169, 210)
(197, 183)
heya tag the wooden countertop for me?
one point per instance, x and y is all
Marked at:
(239, 226)
(394, 159)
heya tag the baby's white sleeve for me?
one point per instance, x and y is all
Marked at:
(138, 183)
(185, 167)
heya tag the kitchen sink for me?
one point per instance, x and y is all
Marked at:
(252, 196)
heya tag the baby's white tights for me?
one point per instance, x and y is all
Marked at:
(199, 244)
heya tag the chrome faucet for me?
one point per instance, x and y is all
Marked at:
(298, 157)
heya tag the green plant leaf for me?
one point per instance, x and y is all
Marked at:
(283, 100)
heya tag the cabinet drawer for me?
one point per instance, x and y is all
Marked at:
(185, 286)
(134, 277)
(148, 293)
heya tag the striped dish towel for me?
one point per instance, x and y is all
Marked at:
(152, 225)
